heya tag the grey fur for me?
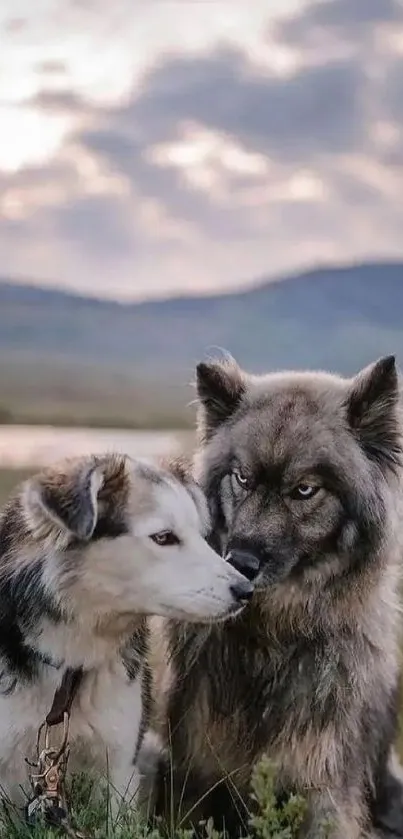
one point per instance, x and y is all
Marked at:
(309, 672)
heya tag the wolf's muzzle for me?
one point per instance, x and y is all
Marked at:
(246, 563)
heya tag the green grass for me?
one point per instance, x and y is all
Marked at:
(92, 820)
(269, 820)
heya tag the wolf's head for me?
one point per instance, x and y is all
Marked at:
(298, 468)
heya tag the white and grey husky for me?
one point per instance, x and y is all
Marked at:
(88, 549)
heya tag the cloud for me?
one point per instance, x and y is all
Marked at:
(51, 68)
(341, 18)
(316, 110)
(217, 164)
(392, 91)
(14, 24)
(292, 123)
(63, 102)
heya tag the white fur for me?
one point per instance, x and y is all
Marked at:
(103, 730)
(133, 575)
(103, 587)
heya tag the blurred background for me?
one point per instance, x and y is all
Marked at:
(180, 177)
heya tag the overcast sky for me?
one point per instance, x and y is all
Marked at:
(149, 147)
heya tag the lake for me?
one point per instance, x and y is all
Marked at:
(36, 446)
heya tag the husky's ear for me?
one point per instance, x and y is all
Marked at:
(373, 412)
(220, 387)
(65, 499)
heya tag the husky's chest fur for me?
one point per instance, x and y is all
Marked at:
(108, 715)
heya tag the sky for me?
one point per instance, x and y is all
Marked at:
(150, 147)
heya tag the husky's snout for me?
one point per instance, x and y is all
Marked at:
(242, 591)
(225, 591)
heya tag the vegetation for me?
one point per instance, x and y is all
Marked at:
(270, 821)
(55, 393)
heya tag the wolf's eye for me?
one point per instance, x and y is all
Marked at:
(304, 491)
(241, 479)
(165, 538)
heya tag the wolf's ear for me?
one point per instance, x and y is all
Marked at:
(65, 499)
(220, 387)
(373, 412)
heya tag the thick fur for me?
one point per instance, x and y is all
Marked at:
(79, 574)
(308, 674)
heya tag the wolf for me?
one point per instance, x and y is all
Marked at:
(88, 549)
(303, 472)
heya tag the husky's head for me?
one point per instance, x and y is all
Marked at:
(298, 468)
(113, 536)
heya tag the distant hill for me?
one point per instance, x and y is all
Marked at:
(334, 318)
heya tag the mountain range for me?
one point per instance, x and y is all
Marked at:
(338, 318)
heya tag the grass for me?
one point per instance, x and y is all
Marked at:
(58, 394)
(269, 822)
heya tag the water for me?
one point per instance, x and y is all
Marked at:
(36, 446)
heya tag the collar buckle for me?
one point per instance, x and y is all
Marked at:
(47, 774)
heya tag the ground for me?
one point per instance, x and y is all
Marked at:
(96, 397)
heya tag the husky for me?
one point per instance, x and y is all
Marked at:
(303, 473)
(88, 549)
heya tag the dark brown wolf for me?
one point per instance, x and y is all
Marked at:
(303, 472)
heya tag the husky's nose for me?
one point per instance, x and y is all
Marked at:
(242, 591)
(246, 563)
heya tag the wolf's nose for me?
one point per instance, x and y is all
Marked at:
(242, 591)
(246, 563)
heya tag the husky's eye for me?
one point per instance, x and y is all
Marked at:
(165, 538)
(241, 479)
(303, 492)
